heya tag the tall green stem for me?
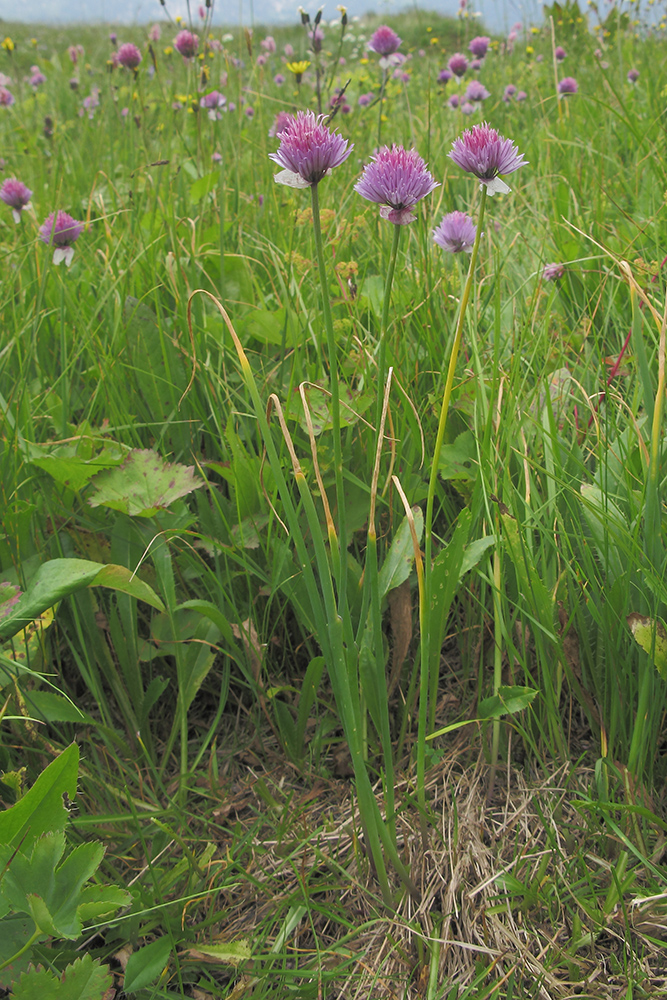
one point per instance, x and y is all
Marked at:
(384, 323)
(382, 89)
(425, 595)
(339, 547)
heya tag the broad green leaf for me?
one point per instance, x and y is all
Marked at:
(607, 525)
(231, 952)
(459, 459)
(76, 472)
(59, 578)
(9, 595)
(41, 809)
(53, 707)
(143, 485)
(15, 932)
(147, 964)
(99, 901)
(399, 560)
(507, 701)
(84, 979)
(24, 653)
(651, 634)
(203, 186)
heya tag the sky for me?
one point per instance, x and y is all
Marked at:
(498, 15)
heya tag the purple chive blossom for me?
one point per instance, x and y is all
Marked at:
(269, 44)
(444, 76)
(467, 108)
(476, 91)
(213, 102)
(478, 46)
(522, 95)
(280, 123)
(456, 233)
(397, 179)
(568, 85)
(552, 272)
(113, 37)
(15, 194)
(483, 152)
(129, 55)
(279, 79)
(384, 41)
(560, 53)
(454, 101)
(186, 44)
(475, 65)
(308, 151)
(633, 75)
(6, 98)
(37, 78)
(61, 231)
(316, 39)
(458, 64)
(509, 92)
(365, 100)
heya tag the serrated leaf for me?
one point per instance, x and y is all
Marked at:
(143, 485)
(651, 635)
(41, 809)
(98, 901)
(147, 964)
(84, 979)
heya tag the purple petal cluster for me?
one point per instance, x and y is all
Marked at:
(397, 179)
(280, 123)
(633, 75)
(476, 91)
(129, 55)
(458, 64)
(309, 149)
(444, 76)
(186, 44)
(6, 98)
(552, 272)
(568, 85)
(384, 41)
(483, 152)
(478, 46)
(15, 194)
(456, 233)
(60, 229)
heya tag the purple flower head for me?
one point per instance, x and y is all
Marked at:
(6, 98)
(568, 85)
(478, 46)
(129, 55)
(454, 101)
(633, 75)
(483, 152)
(384, 41)
(74, 83)
(510, 91)
(268, 44)
(279, 79)
(365, 100)
(458, 64)
(113, 37)
(261, 59)
(552, 272)
(444, 76)
(560, 53)
(37, 78)
(289, 50)
(154, 33)
(456, 233)
(213, 102)
(522, 95)
(61, 231)
(316, 39)
(216, 157)
(249, 112)
(467, 108)
(308, 150)
(15, 194)
(475, 65)
(476, 91)
(186, 44)
(75, 52)
(397, 179)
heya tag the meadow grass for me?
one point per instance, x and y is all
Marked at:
(259, 758)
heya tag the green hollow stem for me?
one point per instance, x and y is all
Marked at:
(338, 556)
(425, 595)
(384, 323)
(382, 89)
